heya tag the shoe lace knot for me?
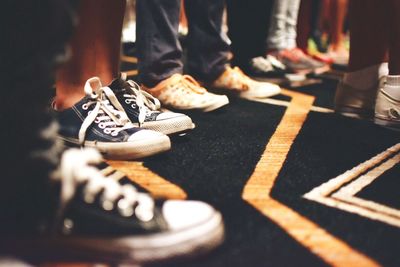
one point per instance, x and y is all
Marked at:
(107, 111)
(145, 102)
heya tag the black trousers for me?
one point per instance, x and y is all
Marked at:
(248, 23)
(158, 47)
(34, 35)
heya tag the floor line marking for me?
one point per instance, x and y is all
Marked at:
(284, 103)
(257, 192)
(340, 192)
(155, 184)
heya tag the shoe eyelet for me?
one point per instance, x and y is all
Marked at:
(107, 131)
(101, 125)
(85, 106)
(133, 106)
(127, 101)
(114, 134)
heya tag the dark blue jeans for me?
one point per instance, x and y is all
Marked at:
(158, 47)
(248, 23)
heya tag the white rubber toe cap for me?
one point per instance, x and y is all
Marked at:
(170, 115)
(185, 214)
(145, 134)
(262, 90)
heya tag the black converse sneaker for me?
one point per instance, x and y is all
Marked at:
(95, 122)
(144, 110)
(100, 220)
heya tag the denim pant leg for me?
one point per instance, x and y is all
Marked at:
(207, 50)
(282, 32)
(291, 23)
(158, 47)
(242, 16)
(277, 29)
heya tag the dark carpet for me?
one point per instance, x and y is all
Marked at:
(214, 162)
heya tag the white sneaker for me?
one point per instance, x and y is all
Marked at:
(387, 108)
(233, 79)
(184, 92)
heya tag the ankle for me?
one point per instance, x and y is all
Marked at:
(62, 101)
(367, 77)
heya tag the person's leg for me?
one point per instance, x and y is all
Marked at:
(242, 16)
(387, 108)
(367, 18)
(394, 37)
(306, 16)
(158, 47)
(207, 50)
(36, 35)
(369, 41)
(95, 49)
(317, 17)
(292, 14)
(277, 30)
(85, 116)
(338, 14)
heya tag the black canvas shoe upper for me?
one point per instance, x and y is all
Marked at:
(95, 205)
(264, 67)
(139, 105)
(94, 118)
(101, 218)
(102, 128)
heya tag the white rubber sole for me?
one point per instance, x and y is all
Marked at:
(141, 249)
(250, 96)
(222, 102)
(127, 150)
(353, 112)
(393, 125)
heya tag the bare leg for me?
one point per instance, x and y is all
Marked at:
(338, 13)
(368, 19)
(387, 108)
(369, 41)
(95, 47)
(394, 46)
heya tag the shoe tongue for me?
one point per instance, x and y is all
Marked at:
(175, 78)
(118, 85)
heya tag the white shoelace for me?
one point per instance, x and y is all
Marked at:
(145, 102)
(110, 116)
(76, 169)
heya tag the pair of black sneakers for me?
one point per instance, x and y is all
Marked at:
(92, 215)
(120, 120)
